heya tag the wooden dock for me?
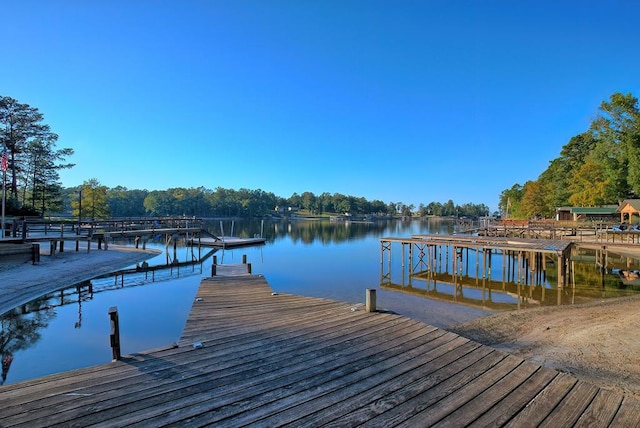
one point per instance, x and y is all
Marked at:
(226, 242)
(428, 254)
(249, 356)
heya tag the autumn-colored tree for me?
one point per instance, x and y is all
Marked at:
(533, 201)
(589, 185)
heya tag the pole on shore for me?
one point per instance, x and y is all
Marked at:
(4, 188)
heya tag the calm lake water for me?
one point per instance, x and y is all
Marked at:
(316, 258)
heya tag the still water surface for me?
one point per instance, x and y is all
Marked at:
(338, 261)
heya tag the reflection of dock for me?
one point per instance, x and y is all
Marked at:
(248, 356)
(485, 299)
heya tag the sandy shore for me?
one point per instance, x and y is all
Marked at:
(598, 342)
(22, 282)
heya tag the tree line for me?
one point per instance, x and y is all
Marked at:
(95, 201)
(34, 187)
(600, 166)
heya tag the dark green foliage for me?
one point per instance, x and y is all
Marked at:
(34, 162)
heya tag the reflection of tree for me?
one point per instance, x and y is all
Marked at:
(20, 331)
(324, 231)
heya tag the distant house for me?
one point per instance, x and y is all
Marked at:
(629, 210)
(286, 210)
(605, 213)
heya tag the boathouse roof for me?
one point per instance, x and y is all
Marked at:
(586, 213)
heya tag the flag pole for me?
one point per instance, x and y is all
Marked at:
(4, 191)
(4, 165)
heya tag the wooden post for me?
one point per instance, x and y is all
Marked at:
(561, 270)
(249, 268)
(371, 300)
(244, 259)
(213, 269)
(62, 246)
(35, 248)
(115, 333)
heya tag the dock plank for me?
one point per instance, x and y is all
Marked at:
(544, 403)
(271, 359)
(509, 405)
(569, 410)
(601, 411)
(628, 414)
(462, 414)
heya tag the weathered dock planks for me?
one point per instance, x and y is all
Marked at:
(249, 356)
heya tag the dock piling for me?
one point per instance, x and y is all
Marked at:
(370, 305)
(115, 333)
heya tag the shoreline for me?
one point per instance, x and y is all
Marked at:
(23, 282)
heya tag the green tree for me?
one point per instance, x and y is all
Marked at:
(509, 203)
(126, 203)
(309, 202)
(94, 201)
(617, 130)
(341, 203)
(449, 208)
(159, 203)
(20, 123)
(41, 176)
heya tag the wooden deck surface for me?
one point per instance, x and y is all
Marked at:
(248, 356)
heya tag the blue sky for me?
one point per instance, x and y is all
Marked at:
(402, 101)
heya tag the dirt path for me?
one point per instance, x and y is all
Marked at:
(598, 342)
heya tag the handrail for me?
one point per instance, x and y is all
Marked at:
(87, 228)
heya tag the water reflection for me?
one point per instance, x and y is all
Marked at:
(512, 282)
(311, 231)
(21, 330)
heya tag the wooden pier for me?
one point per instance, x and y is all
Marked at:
(523, 260)
(251, 356)
(226, 242)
